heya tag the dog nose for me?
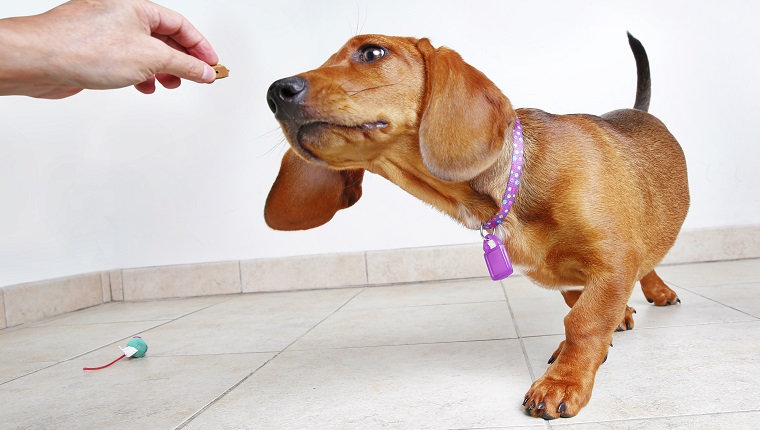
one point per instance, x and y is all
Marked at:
(284, 95)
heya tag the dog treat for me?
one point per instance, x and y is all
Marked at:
(221, 71)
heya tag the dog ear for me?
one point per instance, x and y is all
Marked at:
(306, 195)
(465, 116)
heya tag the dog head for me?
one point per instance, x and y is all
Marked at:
(420, 116)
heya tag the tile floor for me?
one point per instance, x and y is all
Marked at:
(445, 355)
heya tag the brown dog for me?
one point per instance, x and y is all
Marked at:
(601, 200)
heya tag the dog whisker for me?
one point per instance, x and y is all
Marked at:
(355, 92)
(281, 143)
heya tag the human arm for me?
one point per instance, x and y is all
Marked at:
(101, 44)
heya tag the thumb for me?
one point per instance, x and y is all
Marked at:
(188, 67)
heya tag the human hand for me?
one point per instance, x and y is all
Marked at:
(102, 44)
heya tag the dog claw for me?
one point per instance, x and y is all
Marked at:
(526, 400)
(541, 406)
(532, 406)
(605, 358)
(678, 300)
(562, 407)
(552, 360)
(548, 417)
(650, 300)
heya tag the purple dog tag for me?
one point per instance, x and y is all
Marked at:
(497, 260)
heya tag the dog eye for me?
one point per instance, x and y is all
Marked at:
(371, 53)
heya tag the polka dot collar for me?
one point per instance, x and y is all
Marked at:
(515, 174)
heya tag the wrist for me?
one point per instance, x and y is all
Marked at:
(26, 63)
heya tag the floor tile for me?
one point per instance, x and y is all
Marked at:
(441, 386)
(539, 311)
(707, 274)
(672, 371)
(411, 325)
(250, 323)
(150, 392)
(434, 293)
(31, 348)
(10, 370)
(136, 311)
(438, 355)
(742, 297)
(732, 421)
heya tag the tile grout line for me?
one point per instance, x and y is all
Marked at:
(277, 354)
(65, 360)
(203, 409)
(5, 310)
(664, 417)
(517, 331)
(690, 289)
(522, 344)
(366, 269)
(392, 345)
(240, 275)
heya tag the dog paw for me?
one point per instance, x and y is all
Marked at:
(661, 296)
(551, 397)
(627, 323)
(655, 291)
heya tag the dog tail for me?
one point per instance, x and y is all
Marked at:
(643, 81)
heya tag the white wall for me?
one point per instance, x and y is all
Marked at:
(118, 179)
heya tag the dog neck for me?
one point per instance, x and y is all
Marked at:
(513, 183)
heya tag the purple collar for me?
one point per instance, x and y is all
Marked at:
(515, 173)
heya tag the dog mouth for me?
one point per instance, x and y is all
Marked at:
(367, 126)
(307, 132)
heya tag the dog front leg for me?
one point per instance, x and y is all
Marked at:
(571, 296)
(566, 386)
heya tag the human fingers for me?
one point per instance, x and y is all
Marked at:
(168, 81)
(185, 66)
(148, 86)
(166, 22)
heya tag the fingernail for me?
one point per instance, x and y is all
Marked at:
(208, 74)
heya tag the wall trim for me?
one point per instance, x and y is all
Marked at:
(34, 301)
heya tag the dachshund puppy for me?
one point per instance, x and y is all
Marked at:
(601, 198)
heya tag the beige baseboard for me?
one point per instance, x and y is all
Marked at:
(20, 304)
